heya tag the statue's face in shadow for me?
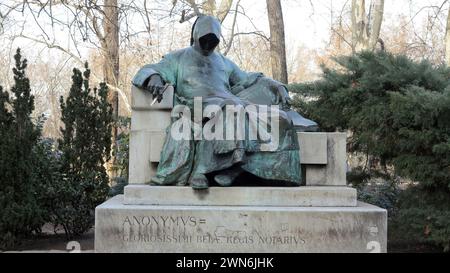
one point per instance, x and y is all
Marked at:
(206, 35)
(208, 43)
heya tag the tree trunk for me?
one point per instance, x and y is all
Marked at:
(223, 10)
(366, 28)
(376, 19)
(110, 47)
(277, 41)
(210, 8)
(447, 40)
(359, 33)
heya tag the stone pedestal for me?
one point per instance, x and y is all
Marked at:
(238, 229)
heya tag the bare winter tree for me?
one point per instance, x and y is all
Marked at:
(447, 40)
(277, 41)
(99, 19)
(110, 46)
(93, 17)
(208, 7)
(366, 27)
(5, 12)
(220, 10)
(432, 37)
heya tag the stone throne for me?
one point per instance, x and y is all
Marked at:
(322, 216)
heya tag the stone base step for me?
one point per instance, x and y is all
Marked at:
(242, 196)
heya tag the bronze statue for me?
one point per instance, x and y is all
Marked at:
(200, 72)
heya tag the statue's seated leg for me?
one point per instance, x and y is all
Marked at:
(227, 177)
(199, 182)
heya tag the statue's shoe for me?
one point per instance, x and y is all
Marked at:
(302, 124)
(156, 181)
(199, 182)
(226, 178)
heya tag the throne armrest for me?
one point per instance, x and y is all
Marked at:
(141, 100)
(148, 125)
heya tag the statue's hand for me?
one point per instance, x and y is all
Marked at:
(157, 87)
(284, 96)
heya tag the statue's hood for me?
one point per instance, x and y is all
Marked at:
(206, 34)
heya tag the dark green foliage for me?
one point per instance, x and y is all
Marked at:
(421, 216)
(46, 171)
(85, 148)
(42, 183)
(122, 157)
(398, 112)
(119, 187)
(383, 194)
(21, 213)
(122, 151)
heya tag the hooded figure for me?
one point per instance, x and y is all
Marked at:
(200, 72)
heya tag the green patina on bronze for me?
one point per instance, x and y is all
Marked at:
(199, 71)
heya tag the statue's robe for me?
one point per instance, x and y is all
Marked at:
(218, 81)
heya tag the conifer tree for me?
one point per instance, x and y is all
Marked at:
(20, 213)
(85, 148)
